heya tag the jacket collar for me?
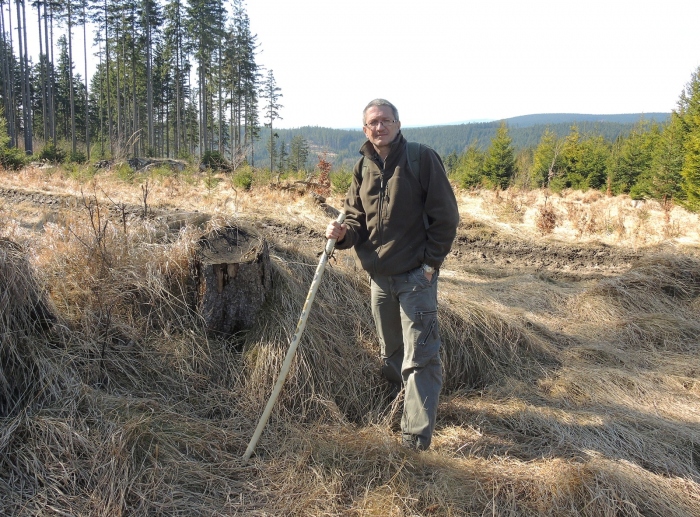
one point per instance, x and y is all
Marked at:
(395, 147)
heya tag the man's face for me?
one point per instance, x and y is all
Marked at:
(380, 127)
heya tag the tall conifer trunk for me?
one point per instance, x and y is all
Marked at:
(7, 53)
(87, 97)
(51, 75)
(42, 75)
(21, 49)
(74, 141)
(110, 131)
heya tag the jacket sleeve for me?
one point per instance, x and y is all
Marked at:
(440, 208)
(355, 217)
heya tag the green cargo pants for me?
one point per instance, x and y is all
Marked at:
(405, 313)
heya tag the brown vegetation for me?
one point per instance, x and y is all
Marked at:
(572, 362)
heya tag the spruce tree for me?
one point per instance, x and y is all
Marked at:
(595, 156)
(499, 166)
(570, 162)
(663, 180)
(469, 169)
(271, 94)
(298, 153)
(689, 118)
(545, 159)
(635, 156)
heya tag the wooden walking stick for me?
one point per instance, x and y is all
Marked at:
(294, 343)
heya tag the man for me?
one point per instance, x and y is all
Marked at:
(402, 223)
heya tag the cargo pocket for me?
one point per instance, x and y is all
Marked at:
(428, 343)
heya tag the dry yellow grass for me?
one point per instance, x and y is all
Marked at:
(568, 392)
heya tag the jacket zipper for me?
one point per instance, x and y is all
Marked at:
(380, 222)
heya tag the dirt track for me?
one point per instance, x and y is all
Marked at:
(478, 246)
(481, 248)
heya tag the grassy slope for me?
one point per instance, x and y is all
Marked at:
(573, 387)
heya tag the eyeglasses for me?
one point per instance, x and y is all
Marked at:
(374, 124)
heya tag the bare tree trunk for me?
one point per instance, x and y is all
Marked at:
(87, 97)
(149, 83)
(42, 74)
(202, 114)
(8, 83)
(166, 135)
(189, 126)
(231, 130)
(120, 128)
(100, 113)
(203, 121)
(134, 115)
(109, 93)
(25, 99)
(29, 131)
(221, 114)
(51, 78)
(74, 142)
(178, 119)
(176, 129)
(238, 103)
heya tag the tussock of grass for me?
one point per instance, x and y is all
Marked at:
(336, 369)
(651, 305)
(482, 346)
(25, 312)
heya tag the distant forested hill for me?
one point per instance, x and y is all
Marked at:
(342, 145)
(565, 118)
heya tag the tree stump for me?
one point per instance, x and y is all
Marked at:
(234, 276)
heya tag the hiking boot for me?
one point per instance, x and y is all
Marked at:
(413, 442)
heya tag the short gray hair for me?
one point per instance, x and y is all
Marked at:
(380, 102)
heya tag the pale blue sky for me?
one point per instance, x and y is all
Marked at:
(445, 61)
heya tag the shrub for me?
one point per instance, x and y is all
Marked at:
(79, 173)
(211, 181)
(124, 172)
(511, 209)
(77, 157)
(341, 181)
(184, 154)
(261, 177)
(162, 171)
(592, 196)
(469, 178)
(546, 219)
(53, 154)
(213, 160)
(243, 178)
(12, 158)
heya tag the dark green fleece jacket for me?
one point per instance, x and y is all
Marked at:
(385, 211)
